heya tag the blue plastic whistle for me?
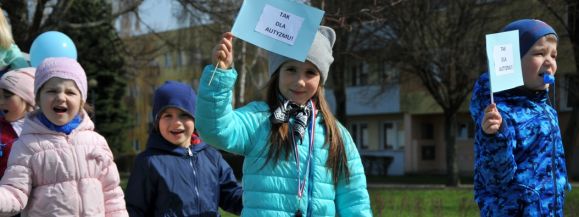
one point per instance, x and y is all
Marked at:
(548, 78)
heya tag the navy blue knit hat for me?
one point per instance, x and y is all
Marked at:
(174, 94)
(530, 30)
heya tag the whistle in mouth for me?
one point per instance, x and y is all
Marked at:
(548, 78)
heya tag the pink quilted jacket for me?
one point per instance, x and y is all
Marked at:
(54, 174)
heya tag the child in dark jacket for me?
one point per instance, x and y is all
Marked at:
(519, 160)
(178, 174)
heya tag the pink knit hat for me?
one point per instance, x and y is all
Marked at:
(20, 82)
(61, 67)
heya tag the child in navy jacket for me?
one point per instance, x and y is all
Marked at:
(178, 174)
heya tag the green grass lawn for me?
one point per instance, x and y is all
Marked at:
(420, 202)
(446, 202)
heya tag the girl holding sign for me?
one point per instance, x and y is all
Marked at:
(299, 161)
(519, 160)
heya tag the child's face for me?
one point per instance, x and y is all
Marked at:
(298, 81)
(541, 58)
(13, 106)
(60, 100)
(176, 127)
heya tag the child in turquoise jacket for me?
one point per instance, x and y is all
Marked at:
(10, 56)
(299, 161)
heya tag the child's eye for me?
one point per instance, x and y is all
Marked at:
(7, 95)
(311, 72)
(290, 69)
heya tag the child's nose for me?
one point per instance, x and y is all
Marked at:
(549, 61)
(60, 96)
(177, 122)
(301, 80)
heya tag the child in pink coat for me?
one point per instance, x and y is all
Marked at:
(16, 100)
(60, 166)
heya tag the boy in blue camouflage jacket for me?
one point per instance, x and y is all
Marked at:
(519, 165)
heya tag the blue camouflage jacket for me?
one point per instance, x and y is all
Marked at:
(520, 170)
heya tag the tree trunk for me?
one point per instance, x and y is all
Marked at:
(571, 130)
(569, 139)
(450, 138)
(339, 90)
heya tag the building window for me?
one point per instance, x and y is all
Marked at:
(364, 136)
(391, 137)
(168, 60)
(136, 145)
(428, 152)
(570, 92)
(359, 73)
(427, 131)
(464, 130)
(180, 61)
(359, 133)
(387, 73)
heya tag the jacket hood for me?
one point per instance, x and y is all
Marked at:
(156, 141)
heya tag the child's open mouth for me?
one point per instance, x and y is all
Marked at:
(59, 109)
(177, 132)
(5, 111)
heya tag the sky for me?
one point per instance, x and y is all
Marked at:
(158, 15)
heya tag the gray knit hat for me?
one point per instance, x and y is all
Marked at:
(320, 53)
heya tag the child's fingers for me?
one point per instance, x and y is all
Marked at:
(227, 40)
(493, 115)
(228, 36)
(221, 52)
(226, 45)
(492, 128)
(491, 107)
(492, 119)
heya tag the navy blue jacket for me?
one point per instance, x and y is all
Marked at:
(168, 180)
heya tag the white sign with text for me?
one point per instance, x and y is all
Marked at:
(279, 25)
(503, 55)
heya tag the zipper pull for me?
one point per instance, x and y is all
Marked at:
(189, 152)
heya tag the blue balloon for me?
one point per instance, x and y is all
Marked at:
(51, 44)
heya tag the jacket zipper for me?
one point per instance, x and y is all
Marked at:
(554, 169)
(191, 163)
(311, 181)
(77, 175)
(553, 163)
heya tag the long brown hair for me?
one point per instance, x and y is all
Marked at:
(280, 141)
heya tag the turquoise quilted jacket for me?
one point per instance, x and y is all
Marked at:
(271, 190)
